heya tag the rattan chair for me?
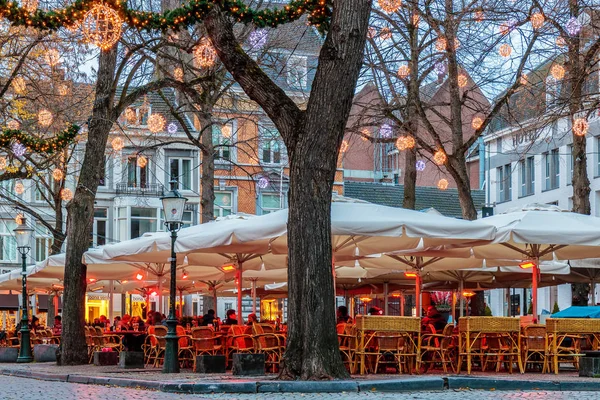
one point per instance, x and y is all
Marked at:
(185, 349)
(534, 346)
(204, 341)
(158, 351)
(347, 341)
(439, 349)
(103, 340)
(271, 344)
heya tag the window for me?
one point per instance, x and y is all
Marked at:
(137, 177)
(296, 72)
(142, 220)
(551, 170)
(571, 164)
(43, 242)
(180, 169)
(270, 202)
(8, 244)
(597, 156)
(552, 91)
(222, 141)
(270, 145)
(527, 172)
(504, 182)
(188, 219)
(499, 146)
(223, 204)
(100, 227)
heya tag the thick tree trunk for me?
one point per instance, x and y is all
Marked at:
(207, 182)
(457, 168)
(410, 179)
(81, 214)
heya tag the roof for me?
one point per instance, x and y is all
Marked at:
(444, 201)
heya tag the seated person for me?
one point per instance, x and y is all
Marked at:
(342, 315)
(231, 318)
(57, 328)
(208, 318)
(375, 311)
(252, 319)
(434, 318)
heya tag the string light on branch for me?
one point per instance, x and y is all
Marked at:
(52, 57)
(580, 126)
(3, 163)
(403, 71)
(66, 194)
(477, 123)
(405, 142)
(441, 43)
(505, 50)
(344, 146)
(557, 71)
(63, 90)
(416, 18)
(385, 33)
(524, 79)
(156, 123)
(19, 188)
(205, 54)
(102, 26)
(420, 165)
(537, 20)
(19, 85)
(13, 124)
(142, 161)
(560, 41)
(45, 118)
(372, 32)
(30, 5)
(573, 26)
(130, 116)
(57, 174)
(462, 80)
(117, 144)
(18, 149)
(479, 16)
(390, 6)
(178, 74)
(442, 184)
(226, 131)
(439, 157)
(365, 134)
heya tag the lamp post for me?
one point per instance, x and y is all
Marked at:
(173, 206)
(23, 236)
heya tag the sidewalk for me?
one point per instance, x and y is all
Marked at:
(188, 382)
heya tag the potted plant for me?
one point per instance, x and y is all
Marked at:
(442, 302)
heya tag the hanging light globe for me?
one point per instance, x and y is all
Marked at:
(537, 20)
(117, 144)
(57, 174)
(142, 161)
(441, 43)
(477, 123)
(403, 71)
(462, 80)
(442, 184)
(557, 71)
(66, 194)
(102, 26)
(205, 54)
(30, 5)
(3, 163)
(45, 118)
(505, 50)
(19, 188)
(19, 85)
(156, 123)
(390, 6)
(13, 124)
(580, 126)
(439, 157)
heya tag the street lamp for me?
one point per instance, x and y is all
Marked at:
(23, 236)
(173, 206)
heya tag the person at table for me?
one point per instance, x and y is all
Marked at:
(375, 311)
(139, 322)
(434, 318)
(57, 328)
(209, 318)
(231, 318)
(252, 319)
(125, 322)
(342, 315)
(35, 324)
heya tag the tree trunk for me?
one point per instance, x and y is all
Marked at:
(207, 182)
(81, 214)
(410, 179)
(457, 168)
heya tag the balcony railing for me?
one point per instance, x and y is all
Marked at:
(147, 190)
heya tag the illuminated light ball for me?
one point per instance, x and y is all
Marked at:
(142, 161)
(258, 38)
(390, 6)
(344, 146)
(439, 157)
(66, 194)
(52, 57)
(386, 131)
(537, 20)
(18, 149)
(19, 188)
(365, 134)
(205, 54)
(580, 126)
(117, 144)
(102, 26)
(30, 5)
(557, 71)
(505, 50)
(479, 16)
(440, 68)
(178, 74)
(130, 116)
(156, 123)
(45, 118)
(64, 90)
(19, 85)
(13, 124)
(416, 18)
(442, 184)
(420, 165)
(405, 142)
(462, 80)
(172, 128)
(19, 219)
(263, 182)
(372, 32)
(226, 131)
(3, 163)
(441, 43)
(403, 71)
(385, 33)
(560, 41)
(573, 26)
(477, 123)
(57, 174)
(524, 79)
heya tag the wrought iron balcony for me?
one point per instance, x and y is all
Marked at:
(147, 190)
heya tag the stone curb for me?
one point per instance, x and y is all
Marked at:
(391, 385)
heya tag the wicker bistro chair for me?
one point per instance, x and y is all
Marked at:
(101, 340)
(371, 328)
(472, 331)
(240, 340)
(534, 347)
(565, 337)
(271, 344)
(185, 352)
(205, 342)
(158, 342)
(439, 349)
(347, 342)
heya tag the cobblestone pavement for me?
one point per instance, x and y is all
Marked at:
(13, 388)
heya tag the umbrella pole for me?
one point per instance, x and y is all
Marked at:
(454, 307)
(418, 295)
(111, 300)
(238, 279)
(460, 297)
(214, 290)
(402, 304)
(534, 289)
(385, 298)
(159, 306)
(593, 287)
(181, 303)
(253, 296)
